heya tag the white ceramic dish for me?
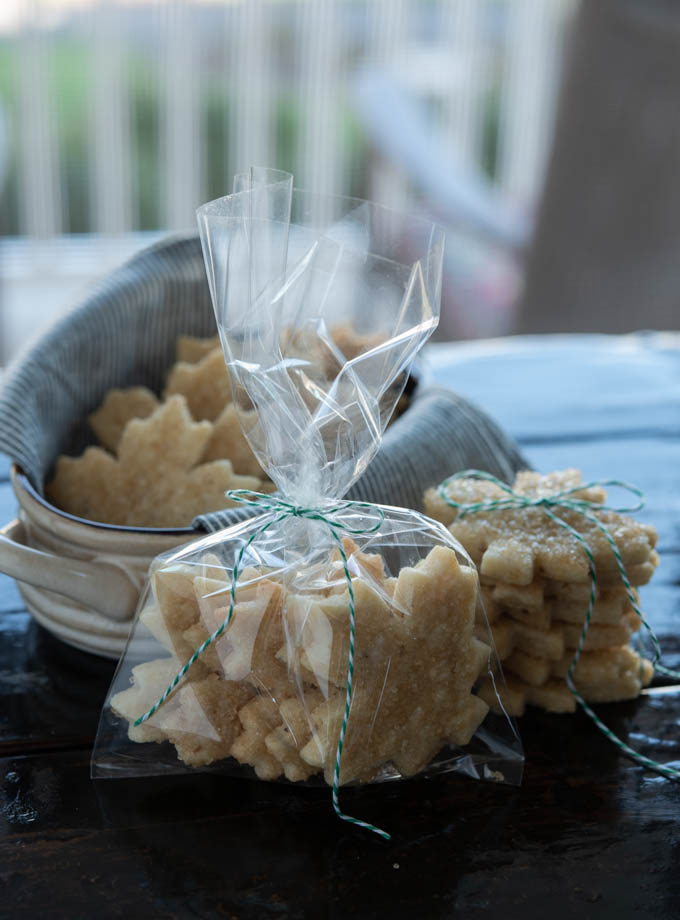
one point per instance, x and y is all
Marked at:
(79, 579)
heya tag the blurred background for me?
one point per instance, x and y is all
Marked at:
(542, 133)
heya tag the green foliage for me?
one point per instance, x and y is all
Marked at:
(69, 69)
(145, 126)
(491, 131)
(215, 128)
(9, 218)
(286, 131)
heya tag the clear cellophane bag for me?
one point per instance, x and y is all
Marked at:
(319, 640)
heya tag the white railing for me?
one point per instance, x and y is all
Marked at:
(39, 188)
(110, 173)
(456, 54)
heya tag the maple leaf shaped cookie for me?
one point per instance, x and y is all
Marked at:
(205, 385)
(604, 676)
(293, 734)
(413, 673)
(539, 603)
(517, 545)
(228, 440)
(247, 649)
(594, 668)
(274, 731)
(150, 680)
(510, 634)
(200, 717)
(192, 350)
(204, 723)
(155, 481)
(258, 718)
(352, 343)
(119, 407)
(175, 609)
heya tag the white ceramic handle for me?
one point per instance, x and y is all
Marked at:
(97, 586)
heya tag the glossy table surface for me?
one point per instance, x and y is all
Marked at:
(588, 834)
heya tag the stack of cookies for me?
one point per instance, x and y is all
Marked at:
(271, 691)
(536, 586)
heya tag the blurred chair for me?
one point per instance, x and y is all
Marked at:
(458, 194)
(486, 233)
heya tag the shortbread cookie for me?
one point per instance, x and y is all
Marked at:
(274, 732)
(259, 718)
(637, 574)
(409, 699)
(178, 609)
(510, 634)
(204, 385)
(119, 407)
(603, 666)
(186, 594)
(270, 692)
(150, 680)
(247, 649)
(518, 545)
(293, 734)
(617, 680)
(579, 592)
(594, 667)
(320, 657)
(368, 566)
(352, 343)
(538, 617)
(601, 635)
(199, 718)
(192, 350)
(548, 599)
(608, 633)
(228, 440)
(173, 586)
(610, 607)
(532, 669)
(154, 481)
(152, 618)
(204, 723)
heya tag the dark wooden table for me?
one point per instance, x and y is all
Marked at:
(589, 834)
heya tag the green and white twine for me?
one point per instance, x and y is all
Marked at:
(565, 499)
(332, 516)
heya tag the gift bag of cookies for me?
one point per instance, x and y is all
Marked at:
(317, 640)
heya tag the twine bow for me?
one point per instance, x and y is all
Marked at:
(565, 499)
(334, 516)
